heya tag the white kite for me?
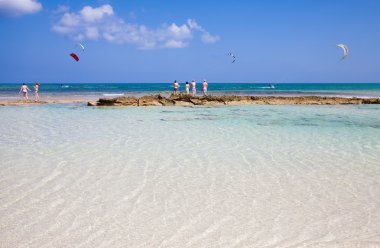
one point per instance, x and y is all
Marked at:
(81, 46)
(232, 56)
(345, 50)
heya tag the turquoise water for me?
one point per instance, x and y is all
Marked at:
(236, 176)
(10, 91)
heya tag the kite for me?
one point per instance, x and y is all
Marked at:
(81, 46)
(232, 56)
(74, 56)
(345, 50)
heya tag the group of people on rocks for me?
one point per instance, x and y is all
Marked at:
(193, 88)
(24, 90)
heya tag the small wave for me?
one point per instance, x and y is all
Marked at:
(110, 95)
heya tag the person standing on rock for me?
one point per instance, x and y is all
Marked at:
(193, 88)
(187, 88)
(204, 87)
(176, 87)
(24, 89)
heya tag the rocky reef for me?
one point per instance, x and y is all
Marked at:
(184, 100)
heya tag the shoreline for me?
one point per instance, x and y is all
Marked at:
(184, 100)
(41, 102)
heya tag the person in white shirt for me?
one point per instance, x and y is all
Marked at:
(187, 88)
(24, 89)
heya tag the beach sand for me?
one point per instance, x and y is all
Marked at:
(41, 102)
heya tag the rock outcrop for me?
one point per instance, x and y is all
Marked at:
(119, 101)
(184, 100)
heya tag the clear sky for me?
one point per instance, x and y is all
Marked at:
(159, 41)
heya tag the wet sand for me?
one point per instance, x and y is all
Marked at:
(32, 102)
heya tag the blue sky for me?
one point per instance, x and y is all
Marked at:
(159, 41)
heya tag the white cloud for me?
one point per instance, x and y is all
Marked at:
(102, 23)
(90, 14)
(92, 33)
(206, 36)
(179, 32)
(175, 44)
(70, 20)
(194, 25)
(19, 7)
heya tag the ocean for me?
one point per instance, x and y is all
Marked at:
(92, 91)
(231, 176)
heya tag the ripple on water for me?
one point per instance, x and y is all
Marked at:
(243, 176)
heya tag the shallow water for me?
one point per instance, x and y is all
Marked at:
(94, 91)
(237, 176)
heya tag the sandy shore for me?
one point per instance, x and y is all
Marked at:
(32, 102)
(183, 100)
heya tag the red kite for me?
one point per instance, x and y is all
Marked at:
(74, 56)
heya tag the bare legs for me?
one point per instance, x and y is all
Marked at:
(25, 95)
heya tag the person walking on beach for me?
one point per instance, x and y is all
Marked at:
(36, 90)
(193, 88)
(204, 87)
(176, 87)
(24, 89)
(187, 88)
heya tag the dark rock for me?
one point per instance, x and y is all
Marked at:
(185, 100)
(150, 101)
(119, 101)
